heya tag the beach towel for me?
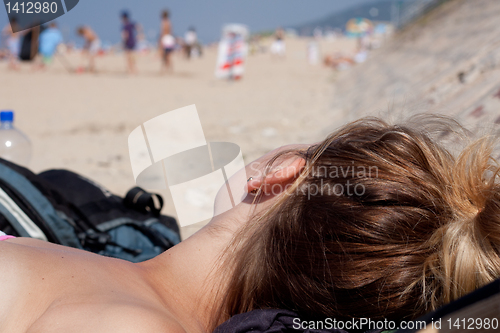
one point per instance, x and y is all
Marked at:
(4, 236)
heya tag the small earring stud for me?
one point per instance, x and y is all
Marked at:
(255, 190)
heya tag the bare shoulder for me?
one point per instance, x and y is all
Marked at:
(29, 279)
(24, 241)
(16, 255)
(104, 318)
(17, 259)
(9, 285)
(50, 288)
(21, 253)
(141, 320)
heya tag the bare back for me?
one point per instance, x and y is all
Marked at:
(51, 288)
(166, 27)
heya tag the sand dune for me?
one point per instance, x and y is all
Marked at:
(446, 62)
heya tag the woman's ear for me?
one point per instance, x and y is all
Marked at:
(281, 176)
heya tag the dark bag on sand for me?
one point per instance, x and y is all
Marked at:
(65, 208)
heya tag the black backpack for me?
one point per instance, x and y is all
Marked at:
(65, 208)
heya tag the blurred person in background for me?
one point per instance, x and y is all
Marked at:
(49, 40)
(129, 38)
(191, 42)
(142, 42)
(167, 42)
(313, 52)
(278, 47)
(91, 47)
(339, 61)
(13, 43)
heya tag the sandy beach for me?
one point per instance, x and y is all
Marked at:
(81, 122)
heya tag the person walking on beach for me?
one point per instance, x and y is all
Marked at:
(91, 48)
(167, 42)
(13, 41)
(129, 34)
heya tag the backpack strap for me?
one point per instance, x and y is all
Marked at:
(63, 231)
(162, 238)
(18, 220)
(143, 201)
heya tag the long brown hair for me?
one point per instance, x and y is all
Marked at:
(419, 228)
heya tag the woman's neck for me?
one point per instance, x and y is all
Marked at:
(187, 277)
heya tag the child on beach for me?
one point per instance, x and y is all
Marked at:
(91, 48)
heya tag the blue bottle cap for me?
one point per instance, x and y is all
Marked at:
(7, 116)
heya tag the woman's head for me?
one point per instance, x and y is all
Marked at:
(382, 222)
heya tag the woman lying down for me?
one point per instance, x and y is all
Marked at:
(376, 221)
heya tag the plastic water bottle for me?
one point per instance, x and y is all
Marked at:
(14, 145)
